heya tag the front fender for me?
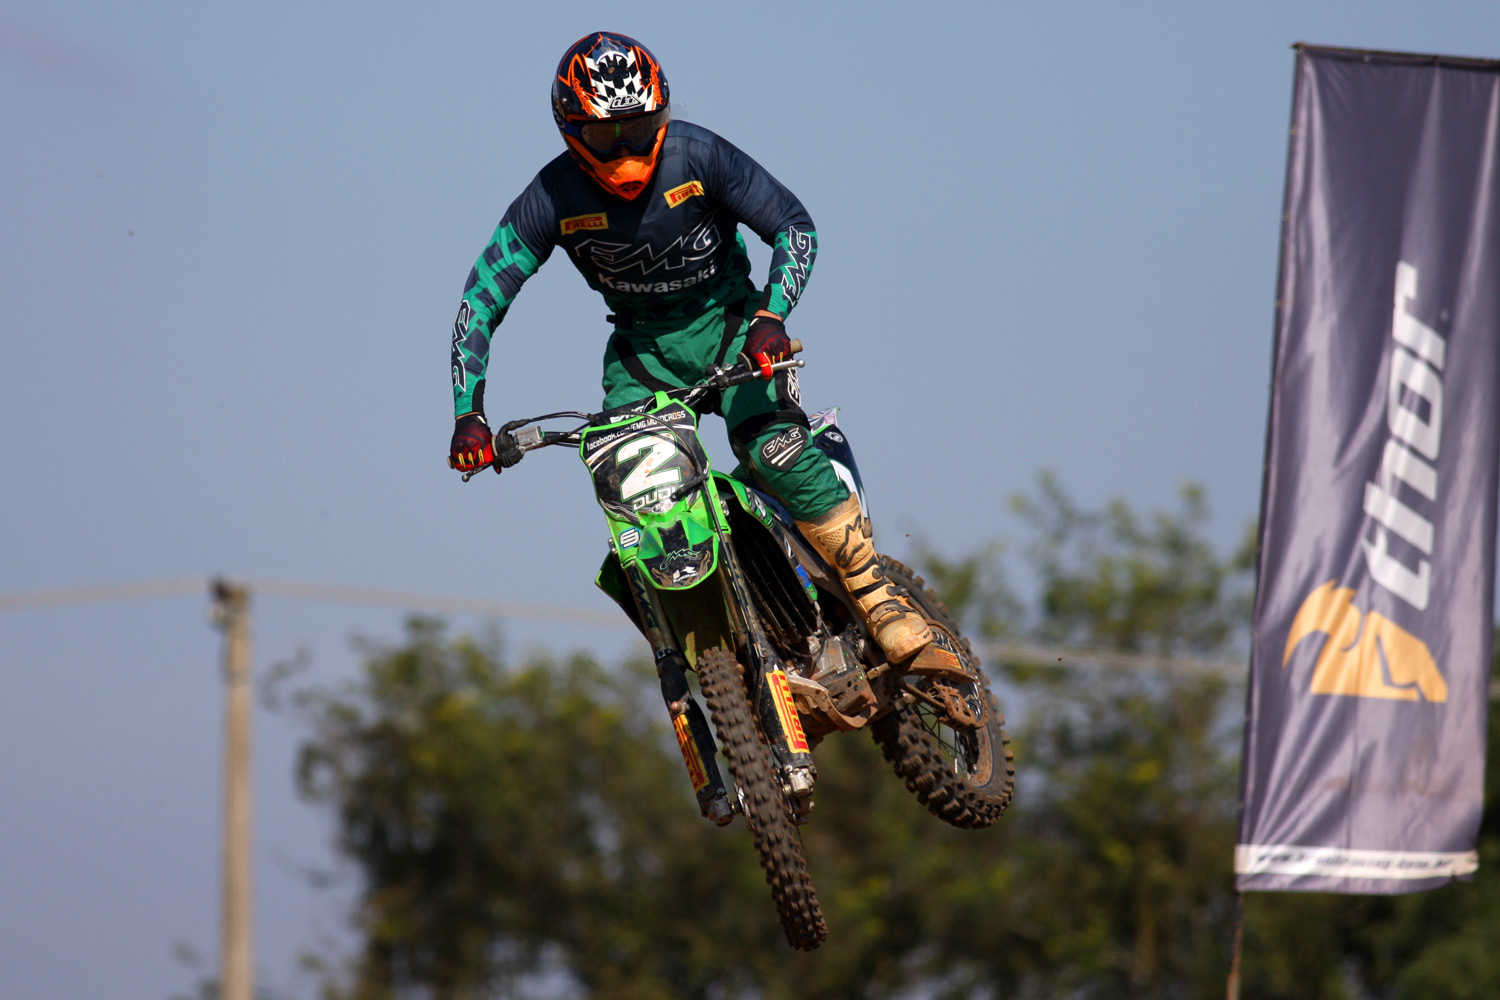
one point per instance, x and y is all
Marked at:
(678, 549)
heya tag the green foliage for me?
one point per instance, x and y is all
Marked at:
(976, 589)
(512, 822)
(1115, 580)
(530, 831)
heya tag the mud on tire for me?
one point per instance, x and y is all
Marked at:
(964, 777)
(766, 811)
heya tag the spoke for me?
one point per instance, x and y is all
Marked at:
(937, 728)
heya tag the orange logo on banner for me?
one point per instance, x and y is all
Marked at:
(1366, 655)
(791, 722)
(598, 220)
(682, 192)
(696, 773)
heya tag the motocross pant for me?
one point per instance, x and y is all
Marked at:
(767, 427)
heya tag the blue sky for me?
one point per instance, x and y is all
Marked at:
(232, 241)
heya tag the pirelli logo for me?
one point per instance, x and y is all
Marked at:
(786, 711)
(577, 223)
(682, 192)
(696, 771)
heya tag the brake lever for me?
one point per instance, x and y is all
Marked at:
(473, 472)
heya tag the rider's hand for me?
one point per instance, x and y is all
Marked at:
(507, 450)
(766, 343)
(472, 447)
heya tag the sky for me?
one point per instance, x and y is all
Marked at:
(232, 241)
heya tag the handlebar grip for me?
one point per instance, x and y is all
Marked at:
(796, 346)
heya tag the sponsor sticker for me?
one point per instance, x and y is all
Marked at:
(807, 583)
(577, 223)
(782, 450)
(791, 723)
(697, 774)
(682, 192)
(630, 538)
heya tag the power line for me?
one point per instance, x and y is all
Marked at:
(1233, 671)
(432, 603)
(115, 592)
(332, 593)
(1058, 656)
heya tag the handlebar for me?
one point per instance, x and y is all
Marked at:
(530, 438)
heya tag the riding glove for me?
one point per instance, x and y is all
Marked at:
(766, 344)
(473, 447)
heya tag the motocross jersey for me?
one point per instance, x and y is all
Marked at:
(674, 252)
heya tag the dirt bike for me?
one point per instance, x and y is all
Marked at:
(713, 572)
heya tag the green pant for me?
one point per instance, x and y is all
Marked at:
(767, 427)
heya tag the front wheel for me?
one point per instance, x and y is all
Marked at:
(766, 811)
(947, 740)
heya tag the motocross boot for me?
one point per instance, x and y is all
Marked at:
(842, 538)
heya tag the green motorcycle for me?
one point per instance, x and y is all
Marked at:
(714, 573)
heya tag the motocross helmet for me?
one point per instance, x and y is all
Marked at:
(610, 101)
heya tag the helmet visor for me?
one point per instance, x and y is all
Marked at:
(612, 137)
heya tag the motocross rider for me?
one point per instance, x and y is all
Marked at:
(648, 210)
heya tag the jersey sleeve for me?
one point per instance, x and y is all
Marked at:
(774, 214)
(520, 245)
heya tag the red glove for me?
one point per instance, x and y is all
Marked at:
(766, 344)
(473, 446)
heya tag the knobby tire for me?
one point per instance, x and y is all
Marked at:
(767, 813)
(907, 740)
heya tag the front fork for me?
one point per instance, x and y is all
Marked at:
(777, 713)
(695, 740)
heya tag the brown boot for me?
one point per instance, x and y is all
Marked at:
(842, 538)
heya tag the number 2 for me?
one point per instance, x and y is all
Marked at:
(645, 476)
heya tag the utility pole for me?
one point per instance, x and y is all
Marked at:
(231, 613)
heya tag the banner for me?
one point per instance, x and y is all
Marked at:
(1364, 742)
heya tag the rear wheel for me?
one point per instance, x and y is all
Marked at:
(947, 739)
(767, 812)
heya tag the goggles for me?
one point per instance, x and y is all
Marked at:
(612, 137)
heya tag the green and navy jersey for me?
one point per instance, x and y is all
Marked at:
(674, 252)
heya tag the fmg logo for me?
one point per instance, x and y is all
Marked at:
(1365, 654)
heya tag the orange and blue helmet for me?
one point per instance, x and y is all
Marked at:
(610, 100)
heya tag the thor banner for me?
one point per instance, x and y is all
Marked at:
(1364, 744)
